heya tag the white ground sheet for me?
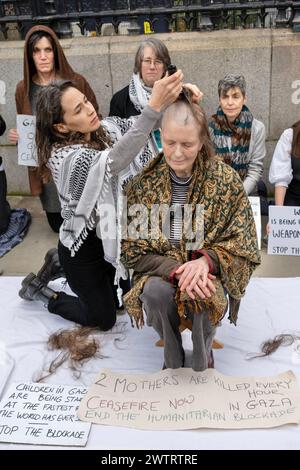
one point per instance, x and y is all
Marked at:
(270, 307)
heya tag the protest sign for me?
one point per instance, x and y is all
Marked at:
(37, 413)
(284, 234)
(185, 399)
(255, 205)
(26, 143)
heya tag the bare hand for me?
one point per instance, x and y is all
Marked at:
(13, 136)
(201, 290)
(198, 289)
(165, 91)
(197, 94)
(194, 277)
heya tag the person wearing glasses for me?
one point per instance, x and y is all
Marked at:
(150, 64)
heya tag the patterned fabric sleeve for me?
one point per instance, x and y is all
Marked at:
(135, 134)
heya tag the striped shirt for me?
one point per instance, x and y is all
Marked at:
(180, 187)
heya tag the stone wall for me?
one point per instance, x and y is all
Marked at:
(269, 59)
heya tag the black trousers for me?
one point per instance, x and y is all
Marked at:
(54, 220)
(291, 199)
(91, 278)
(4, 206)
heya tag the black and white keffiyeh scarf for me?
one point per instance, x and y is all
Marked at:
(80, 173)
(112, 196)
(90, 196)
(139, 93)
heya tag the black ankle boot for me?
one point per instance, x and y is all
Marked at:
(51, 268)
(34, 289)
(211, 361)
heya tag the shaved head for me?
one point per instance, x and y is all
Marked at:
(184, 127)
(180, 112)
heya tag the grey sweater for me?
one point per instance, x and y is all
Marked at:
(257, 152)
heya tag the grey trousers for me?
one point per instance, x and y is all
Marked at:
(161, 310)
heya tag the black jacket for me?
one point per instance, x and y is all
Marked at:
(120, 104)
(2, 125)
(4, 206)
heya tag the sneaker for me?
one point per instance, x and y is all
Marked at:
(51, 268)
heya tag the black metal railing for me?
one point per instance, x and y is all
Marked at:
(148, 15)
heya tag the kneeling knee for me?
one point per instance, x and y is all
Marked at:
(107, 324)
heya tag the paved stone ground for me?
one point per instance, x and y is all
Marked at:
(29, 255)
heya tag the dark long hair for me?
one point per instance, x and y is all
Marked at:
(34, 38)
(48, 113)
(296, 140)
(271, 345)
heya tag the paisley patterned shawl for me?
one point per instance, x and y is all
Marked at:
(229, 230)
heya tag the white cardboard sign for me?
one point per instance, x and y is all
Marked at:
(184, 399)
(255, 205)
(284, 235)
(38, 413)
(26, 144)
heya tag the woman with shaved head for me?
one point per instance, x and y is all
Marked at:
(197, 242)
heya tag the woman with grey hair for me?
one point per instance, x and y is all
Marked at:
(238, 137)
(150, 64)
(177, 274)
